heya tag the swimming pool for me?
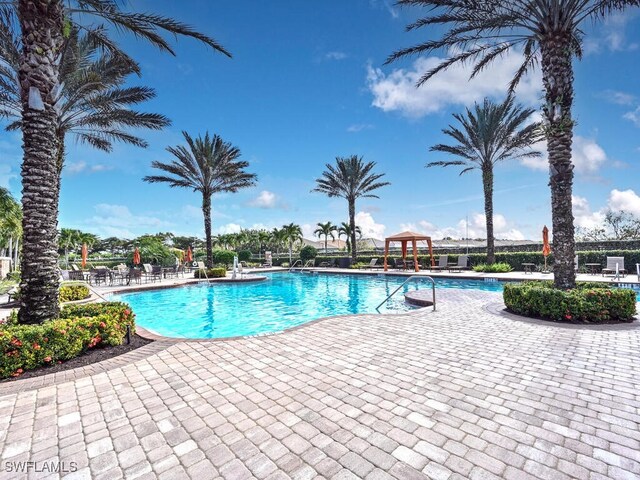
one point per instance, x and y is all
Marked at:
(283, 301)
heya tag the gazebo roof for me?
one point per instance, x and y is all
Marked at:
(407, 235)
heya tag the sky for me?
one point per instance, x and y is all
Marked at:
(306, 84)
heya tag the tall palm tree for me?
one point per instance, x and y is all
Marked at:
(68, 240)
(550, 34)
(488, 134)
(290, 234)
(44, 28)
(345, 229)
(350, 178)
(207, 165)
(325, 230)
(277, 235)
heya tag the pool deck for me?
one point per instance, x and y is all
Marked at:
(466, 392)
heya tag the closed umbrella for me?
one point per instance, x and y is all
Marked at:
(85, 254)
(546, 248)
(189, 256)
(136, 256)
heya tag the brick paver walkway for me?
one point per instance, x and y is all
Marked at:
(460, 393)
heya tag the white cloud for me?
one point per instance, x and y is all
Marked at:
(620, 98)
(619, 200)
(358, 127)
(387, 5)
(228, 228)
(118, 220)
(397, 92)
(266, 199)
(611, 34)
(626, 200)
(307, 231)
(368, 226)
(6, 175)
(633, 116)
(502, 228)
(336, 55)
(79, 167)
(587, 156)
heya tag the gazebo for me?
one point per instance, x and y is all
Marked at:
(404, 238)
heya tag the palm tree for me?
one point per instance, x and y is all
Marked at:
(264, 237)
(345, 229)
(10, 226)
(68, 240)
(490, 133)
(277, 237)
(326, 230)
(44, 29)
(207, 165)
(350, 178)
(550, 34)
(291, 233)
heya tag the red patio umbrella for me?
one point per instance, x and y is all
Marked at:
(546, 248)
(136, 256)
(188, 256)
(85, 254)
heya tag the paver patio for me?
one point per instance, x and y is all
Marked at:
(464, 392)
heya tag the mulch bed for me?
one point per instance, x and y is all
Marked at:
(91, 356)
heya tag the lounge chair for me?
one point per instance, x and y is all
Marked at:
(611, 269)
(151, 272)
(442, 263)
(12, 294)
(373, 264)
(74, 267)
(463, 264)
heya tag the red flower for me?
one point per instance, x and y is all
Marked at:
(16, 342)
(127, 312)
(17, 373)
(47, 359)
(568, 317)
(36, 346)
(102, 324)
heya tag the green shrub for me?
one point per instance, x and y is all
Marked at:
(71, 292)
(308, 253)
(244, 256)
(493, 268)
(211, 273)
(223, 257)
(589, 302)
(79, 328)
(13, 276)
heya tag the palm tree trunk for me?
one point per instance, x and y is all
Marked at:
(487, 182)
(41, 22)
(557, 76)
(352, 225)
(206, 211)
(326, 240)
(290, 252)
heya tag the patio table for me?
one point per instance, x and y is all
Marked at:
(593, 268)
(529, 267)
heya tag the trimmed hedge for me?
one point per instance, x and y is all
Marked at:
(493, 268)
(79, 328)
(211, 273)
(308, 253)
(71, 292)
(589, 302)
(223, 257)
(514, 259)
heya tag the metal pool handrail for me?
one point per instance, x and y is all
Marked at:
(294, 265)
(412, 277)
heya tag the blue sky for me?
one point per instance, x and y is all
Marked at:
(307, 84)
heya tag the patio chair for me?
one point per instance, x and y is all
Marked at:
(135, 275)
(399, 264)
(614, 265)
(409, 264)
(76, 275)
(325, 264)
(74, 267)
(462, 264)
(98, 276)
(151, 272)
(442, 263)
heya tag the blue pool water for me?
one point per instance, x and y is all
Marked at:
(283, 301)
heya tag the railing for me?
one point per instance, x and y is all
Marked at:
(412, 277)
(294, 265)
